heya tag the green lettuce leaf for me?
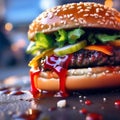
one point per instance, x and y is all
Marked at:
(43, 41)
(61, 37)
(91, 38)
(74, 35)
(106, 38)
(32, 48)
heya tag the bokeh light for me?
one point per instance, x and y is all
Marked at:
(8, 26)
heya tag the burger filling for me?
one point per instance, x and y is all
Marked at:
(89, 47)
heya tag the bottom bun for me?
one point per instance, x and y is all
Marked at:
(86, 78)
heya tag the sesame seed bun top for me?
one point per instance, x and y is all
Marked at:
(75, 15)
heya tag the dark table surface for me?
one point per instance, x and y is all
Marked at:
(17, 103)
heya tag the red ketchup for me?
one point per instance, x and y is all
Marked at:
(60, 66)
(94, 116)
(117, 103)
(83, 111)
(32, 75)
(88, 102)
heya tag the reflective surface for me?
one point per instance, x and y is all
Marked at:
(17, 102)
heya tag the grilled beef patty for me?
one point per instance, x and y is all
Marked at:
(85, 58)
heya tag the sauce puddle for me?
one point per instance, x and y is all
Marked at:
(94, 116)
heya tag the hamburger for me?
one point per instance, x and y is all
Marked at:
(76, 46)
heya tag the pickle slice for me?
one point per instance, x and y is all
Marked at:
(70, 48)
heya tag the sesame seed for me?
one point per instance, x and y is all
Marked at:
(112, 18)
(94, 75)
(87, 10)
(50, 26)
(106, 14)
(90, 69)
(106, 22)
(99, 22)
(31, 27)
(64, 9)
(97, 10)
(103, 73)
(81, 10)
(75, 20)
(71, 15)
(82, 21)
(95, 5)
(64, 22)
(107, 71)
(56, 14)
(67, 5)
(79, 7)
(111, 22)
(85, 15)
(41, 26)
(52, 9)
(45, 15)
(89, 7)
(61, 21)
(103, 20)
(96, 14)
(71, 7)
(91, 15)
(65, 16)
(37, 20)
(54, 24)
(58, 10)
(50, 16)
(101, 9)
(68, 15)
(100, 5)
(61, 17)
(100, 16)
(74, 72)
(59, 7)
(63, 6)
(73, 4)
(72, 18)
(79, 4)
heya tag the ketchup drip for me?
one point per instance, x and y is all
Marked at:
(60, 66)
(32, 75)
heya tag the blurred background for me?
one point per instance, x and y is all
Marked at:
(15, 17)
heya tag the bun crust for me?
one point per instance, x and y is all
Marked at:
(75, 15)
(77, 79)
